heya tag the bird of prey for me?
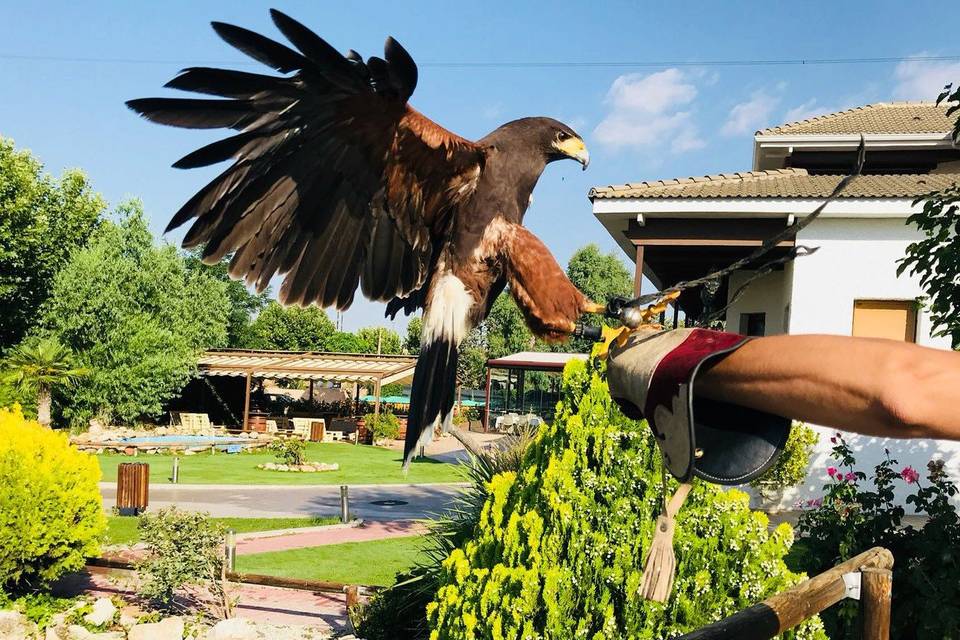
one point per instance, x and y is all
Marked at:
(336, 183)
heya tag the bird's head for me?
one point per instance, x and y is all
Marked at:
(552, 138)
(560, 141)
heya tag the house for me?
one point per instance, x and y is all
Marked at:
(683, 228)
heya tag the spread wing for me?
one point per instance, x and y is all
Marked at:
(336, 181)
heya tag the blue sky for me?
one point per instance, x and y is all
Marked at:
(66, 69)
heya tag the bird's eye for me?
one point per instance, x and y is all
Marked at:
(562, 135)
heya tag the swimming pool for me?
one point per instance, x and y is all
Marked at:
(185, 440)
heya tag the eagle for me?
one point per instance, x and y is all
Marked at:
(337, 183)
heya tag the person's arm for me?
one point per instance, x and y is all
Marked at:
(870, 386)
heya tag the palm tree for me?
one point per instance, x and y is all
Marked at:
(36, 366)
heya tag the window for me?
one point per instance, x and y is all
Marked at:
(753, 324)
(893, 319)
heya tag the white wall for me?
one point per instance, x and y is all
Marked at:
(765, 295)
(857, 259)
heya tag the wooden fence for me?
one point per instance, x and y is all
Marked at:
(867, 577)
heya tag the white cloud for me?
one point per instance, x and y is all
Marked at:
(808, 109)
(751, 115)
(647, 111)
(923, 79)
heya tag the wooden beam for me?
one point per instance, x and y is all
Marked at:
(246, 402)
(704, 242)
(785, 610)
(638, 272)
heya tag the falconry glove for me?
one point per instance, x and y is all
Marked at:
(653, 375)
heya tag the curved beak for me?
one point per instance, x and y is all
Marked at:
(575, 148)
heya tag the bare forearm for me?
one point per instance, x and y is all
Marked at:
(871, 386)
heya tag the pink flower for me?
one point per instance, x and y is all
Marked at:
(832, 471)
(816, 502)
(833, 439)
(850, 477)
(909, 475)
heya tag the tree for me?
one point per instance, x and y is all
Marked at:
(136, 317)
(388, 340)
(936, 258)
(243, 304)
(344, 342)
(291, 329)
(505, 329)
(600, 276)
(411, 343)
(36, 367)
(42, 220)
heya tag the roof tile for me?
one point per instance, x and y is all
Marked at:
(782, 183)
(878, 118)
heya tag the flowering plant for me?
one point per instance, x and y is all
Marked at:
(852, 517)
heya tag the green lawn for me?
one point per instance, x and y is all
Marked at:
(123, 530)
(371, 563)
(361, 464)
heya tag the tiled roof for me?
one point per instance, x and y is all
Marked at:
(781, 183)
(879, 118)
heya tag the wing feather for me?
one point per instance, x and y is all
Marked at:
(336, 184)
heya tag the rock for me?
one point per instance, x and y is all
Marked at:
(129, 615)
(76, 632)
(188, 452)
(241, 629)
(307, 468)
(283, 467)
(103, 612)
(15, 626)
(166, 629)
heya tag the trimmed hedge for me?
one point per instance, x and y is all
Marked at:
(51, 517)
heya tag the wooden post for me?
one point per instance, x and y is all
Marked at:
(787, 609)
(638, 272)
(246, 403)
(486, 405)
(311, 390)
(876, 590)
(353, 598)
(676, 314)
(376, 398)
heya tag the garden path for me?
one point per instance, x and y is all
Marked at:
(292, 539)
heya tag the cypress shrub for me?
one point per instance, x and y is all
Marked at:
(559, 547)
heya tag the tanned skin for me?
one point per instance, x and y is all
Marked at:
(870, 386)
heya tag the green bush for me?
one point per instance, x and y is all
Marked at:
(386, 426)
(559, 548)
(289, 450)
(51, 517)
(853, 517)
(184, 557)
(400, 611)
(791, 467)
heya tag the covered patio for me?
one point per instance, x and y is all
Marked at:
(374, 370)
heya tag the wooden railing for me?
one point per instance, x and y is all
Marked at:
(871, 570)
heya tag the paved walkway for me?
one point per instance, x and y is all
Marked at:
(298, 540)
(256, 602)
(409, 501)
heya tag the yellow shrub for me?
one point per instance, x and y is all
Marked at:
(51, 516)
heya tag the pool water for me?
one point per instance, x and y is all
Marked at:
(196, 440)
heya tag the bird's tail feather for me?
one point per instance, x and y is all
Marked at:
(431, 399)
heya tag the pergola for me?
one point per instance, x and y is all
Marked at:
(522, 362)
(297, 365)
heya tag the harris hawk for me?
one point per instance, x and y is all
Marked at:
(336, 183)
